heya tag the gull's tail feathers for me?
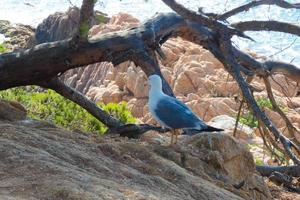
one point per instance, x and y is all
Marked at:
(196, 131)
(211, 129)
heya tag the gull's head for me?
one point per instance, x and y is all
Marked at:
(155, 82)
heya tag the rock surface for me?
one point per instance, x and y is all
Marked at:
(17, 36)
(12, 111)
(196, 77)
(40, 161)
(227, 123)
(59, 25)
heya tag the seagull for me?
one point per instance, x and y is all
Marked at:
(172, 113)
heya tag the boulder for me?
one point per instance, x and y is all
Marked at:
(44, 162)
(227, 123)
(17, 36)
(284, 86)
(207, 108)
(12, 111)
(294, 102)
(58, 26)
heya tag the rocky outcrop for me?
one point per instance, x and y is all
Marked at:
(17, 36)
(41, 161)
(59, 26)
(66, 23)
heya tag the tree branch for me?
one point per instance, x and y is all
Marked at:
(203, 19)
(289, 70)
(287, 144)
(86, 19)
(226, 56)
(285, 180)
(292, 130)
(253, 4)
(78, 98)
(268, 26)
(293, 170)
(46, 61)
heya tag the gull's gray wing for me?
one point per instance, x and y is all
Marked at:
(176, 114)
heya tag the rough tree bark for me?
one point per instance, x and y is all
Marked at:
(42, 64)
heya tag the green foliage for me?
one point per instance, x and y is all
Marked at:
(249, 119)
(50, 106)
(84, 29)
(264, 103)
(3, 49)
(258, 161)
(101, 19)
(120, 111)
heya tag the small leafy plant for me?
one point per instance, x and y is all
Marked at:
(49, 106)
(249, 119)
(3, 49)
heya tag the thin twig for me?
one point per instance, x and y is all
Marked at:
(238, 118)
(292, 130)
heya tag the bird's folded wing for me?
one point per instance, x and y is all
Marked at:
(176, 115)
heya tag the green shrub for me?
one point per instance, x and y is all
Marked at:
(259, 161)
(50, 106)
(3, 49)
(264, 103)
(249, 119)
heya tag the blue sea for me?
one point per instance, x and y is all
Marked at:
(276, 46)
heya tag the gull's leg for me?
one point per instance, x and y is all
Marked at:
(172, 138)
(176, 132)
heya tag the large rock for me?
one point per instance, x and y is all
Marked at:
(39, 161)
(283, 86)
(58, 26)
(12, 111)
(227, 123)
(17, 36)
(63, 25)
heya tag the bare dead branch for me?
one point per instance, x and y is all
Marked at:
(287, 144)
(86, 19)
(238, 117)
(292, 130)
(224, 51)
(75, 96)
(253, 4)
(285, 180)
(114, 125)
(46, 61)
(268, 26)
(134, 130)
(289, 70)
(289, 170)
(268, 141)
(203, 19)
